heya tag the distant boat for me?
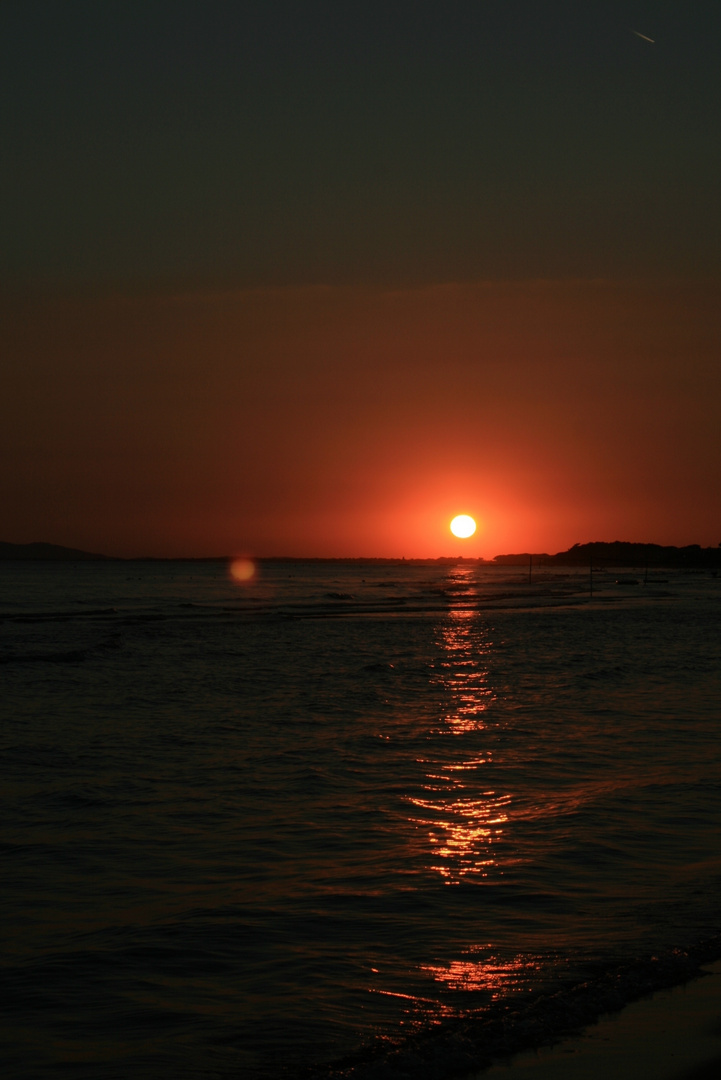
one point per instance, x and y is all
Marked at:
(626, 581)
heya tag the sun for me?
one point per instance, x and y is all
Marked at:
(463, 526)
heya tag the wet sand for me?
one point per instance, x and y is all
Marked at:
(672, 1035)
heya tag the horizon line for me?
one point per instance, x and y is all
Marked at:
(78, 554)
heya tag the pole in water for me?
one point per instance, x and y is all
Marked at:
(590, 569)
(530, 567)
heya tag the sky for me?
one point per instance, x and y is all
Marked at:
(310, 279)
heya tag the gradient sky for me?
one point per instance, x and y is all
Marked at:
(310, 278)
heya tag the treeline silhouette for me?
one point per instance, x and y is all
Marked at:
(598, 553)
(621, 553)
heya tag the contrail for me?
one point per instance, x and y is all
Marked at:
(643, 37)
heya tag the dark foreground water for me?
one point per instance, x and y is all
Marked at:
(249, 829)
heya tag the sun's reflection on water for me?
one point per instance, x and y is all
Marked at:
(464, 816)
(460, 817)
(462, 671)
(482, 975)
(462, 832)
(489, 974)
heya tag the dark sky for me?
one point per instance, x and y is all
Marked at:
(311, 278)
(272, 142)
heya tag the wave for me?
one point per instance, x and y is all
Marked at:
(467, 1044)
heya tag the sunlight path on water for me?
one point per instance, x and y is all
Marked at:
(463, 818)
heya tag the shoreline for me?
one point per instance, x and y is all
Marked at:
(672, 1034)
(513, 1040)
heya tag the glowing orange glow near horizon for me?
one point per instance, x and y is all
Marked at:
(248, 432)
(463, 526)
(242, 570)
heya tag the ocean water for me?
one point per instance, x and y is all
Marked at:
(286, 826)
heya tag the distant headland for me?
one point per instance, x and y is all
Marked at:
(621, 553)
(54, 552)
(598, 553)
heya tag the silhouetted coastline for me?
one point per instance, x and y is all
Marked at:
(621, 553)
(599, 553)
(54, 552)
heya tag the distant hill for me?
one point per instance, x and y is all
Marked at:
(599, 553)
(55, 552)
(621, 553)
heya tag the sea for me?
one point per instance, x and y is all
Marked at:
(345, 818)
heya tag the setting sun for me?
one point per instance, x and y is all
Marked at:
(463, 526)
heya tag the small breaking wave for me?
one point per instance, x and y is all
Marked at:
(471, 1043)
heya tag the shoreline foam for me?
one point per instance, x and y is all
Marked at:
(673, 1035)
(487, 1046)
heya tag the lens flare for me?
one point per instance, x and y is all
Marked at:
(242, 570)
(463, 526)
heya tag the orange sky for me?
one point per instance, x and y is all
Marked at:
(316, 172)
(347, 421)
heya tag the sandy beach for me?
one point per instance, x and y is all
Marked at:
(672, 1035)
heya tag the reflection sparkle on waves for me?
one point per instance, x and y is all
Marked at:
(463, 815)
(463, 823)
(463, 674)
(487, 973)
